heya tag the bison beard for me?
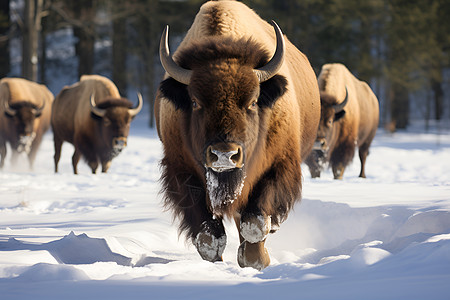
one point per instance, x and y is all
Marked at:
(115, 151)
(25, 143)
(223, 188)
(316, 162)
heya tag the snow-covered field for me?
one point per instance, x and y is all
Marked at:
(106, 236)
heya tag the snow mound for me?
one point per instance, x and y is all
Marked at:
(51, 272)
(81, 249)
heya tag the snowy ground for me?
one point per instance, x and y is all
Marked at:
(106, 236)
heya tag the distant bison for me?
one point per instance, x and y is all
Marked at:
(235, 124)
(92, 116)
(349, 118)
(25, 109)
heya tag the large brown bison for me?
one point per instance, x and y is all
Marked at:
(92, 116)
(25, 109)
(349, 118)
(235, 124)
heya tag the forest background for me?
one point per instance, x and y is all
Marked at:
(400, 47)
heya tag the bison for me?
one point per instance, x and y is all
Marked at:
(349, 118)
(235, 124)
(92, 116)
(25, 109)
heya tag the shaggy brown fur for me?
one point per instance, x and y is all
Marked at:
(339, 132)
(92, 136)
(25, 98)
(218, 106)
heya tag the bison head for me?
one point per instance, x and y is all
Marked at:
(226, 89)
(114, 116)
(331, 112)
(23, 115)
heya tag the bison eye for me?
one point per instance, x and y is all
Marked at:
(195, 104)
(106, 122)
(253, 105)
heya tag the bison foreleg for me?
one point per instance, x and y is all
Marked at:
(186, 195)
(105, 166)
(363, 153)
(338, 170)
(315, 162)
(34, 149)
(93, 164)
(2, 153)
(75, 159)
(255, 227)
(253, 255)
(58, 145)
(211, 240)
(268, 205)
(253, 230)
(341, 157)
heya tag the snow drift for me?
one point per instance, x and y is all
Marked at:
(107, 235)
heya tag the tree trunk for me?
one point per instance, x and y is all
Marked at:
(150, 78)
(30, 38)
(148, 50)
(399, 106)
(43, 53)
(119, 55)
(84, 47)
(5, 23)
(436, 86)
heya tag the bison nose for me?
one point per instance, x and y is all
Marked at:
(224, 157)
(120, 143)
(320, 144)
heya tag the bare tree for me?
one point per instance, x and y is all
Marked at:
(119, 45)
(84, 48)
(5, 23)
(33, 12)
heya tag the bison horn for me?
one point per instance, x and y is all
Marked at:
(134, 111)
(95, 110)
(271, 68)
(172, 68)
(8, 110)
(339, 107)
(38, 111)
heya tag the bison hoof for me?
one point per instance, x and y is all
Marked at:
(338, 172)
(315, 174)
(255, 228)
(211, 241)
(253, 255)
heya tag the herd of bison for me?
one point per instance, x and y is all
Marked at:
(238, 110)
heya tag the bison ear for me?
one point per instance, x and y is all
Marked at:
(176, 93)
(271, 90)
(339, 115)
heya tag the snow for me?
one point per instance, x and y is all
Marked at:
(107, 236)
(222, 195)
(256, 228)
(209, 246)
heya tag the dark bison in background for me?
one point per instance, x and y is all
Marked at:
(25, 109)
(235, 124)
(349, 119)
(92, 116)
